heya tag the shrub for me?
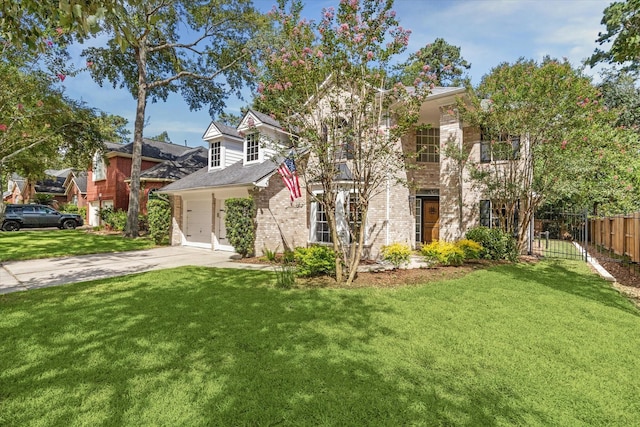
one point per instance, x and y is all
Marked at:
(159, 218)
(471, 248)
(442, 252)
(315, 261)
(69, 208)
(116, 220)
(496, 244)
(240, 224)
(397, 254)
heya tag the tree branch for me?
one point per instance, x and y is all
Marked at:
(197, 76)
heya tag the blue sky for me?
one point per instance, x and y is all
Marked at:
(488, 32)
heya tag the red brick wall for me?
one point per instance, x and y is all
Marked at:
(114, 188)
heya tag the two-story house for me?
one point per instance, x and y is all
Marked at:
(109, 174)
(440, 201)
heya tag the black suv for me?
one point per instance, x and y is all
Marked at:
(35, 216)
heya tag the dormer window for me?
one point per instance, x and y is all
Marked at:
(215, 154)
(252, 151)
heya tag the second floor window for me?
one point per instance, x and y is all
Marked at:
(428, 145)
(214, 155)
(99, 168)
(253, 147)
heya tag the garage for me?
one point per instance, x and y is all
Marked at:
(197, 230)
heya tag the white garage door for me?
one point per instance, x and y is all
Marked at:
(198, 224)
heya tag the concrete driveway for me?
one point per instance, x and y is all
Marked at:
(41, 273)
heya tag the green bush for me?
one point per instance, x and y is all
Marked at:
(315, 261)
(116, 220)
(69, 208)
(240, 224)
(442, 252)
(496, 244)
(159, 218)
(397, 254)
(471, 248)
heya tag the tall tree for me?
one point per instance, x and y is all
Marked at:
(622, 19)
(442, 62)
(323, 80)
(546, 135)
(198, 48)
(620, 91)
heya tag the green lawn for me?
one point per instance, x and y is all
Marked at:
(544, 344)
(23, 245)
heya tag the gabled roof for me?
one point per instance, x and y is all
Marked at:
(216, 129)
(81, 181)
(172, 170)
(234, 175)
(151, 149)
(266, 119)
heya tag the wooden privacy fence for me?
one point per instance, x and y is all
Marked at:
(619, 234)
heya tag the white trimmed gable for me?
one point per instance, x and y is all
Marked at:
(224, 146)
(269, 133)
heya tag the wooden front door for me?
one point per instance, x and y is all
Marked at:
(430, 220)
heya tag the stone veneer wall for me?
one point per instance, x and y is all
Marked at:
(281, 223)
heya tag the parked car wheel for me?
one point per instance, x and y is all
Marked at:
(69, 224)
(11, 226)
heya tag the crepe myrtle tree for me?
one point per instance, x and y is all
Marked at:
(327, 83)
(546, 135)
(200, 49)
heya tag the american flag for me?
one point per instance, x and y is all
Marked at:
(287, 171)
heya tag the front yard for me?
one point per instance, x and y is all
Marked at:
(524, 344)
(23, 245)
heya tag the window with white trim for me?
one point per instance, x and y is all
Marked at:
(252, 150)
(428, 145)
(99, 168)
(215, 151)
(322, 234)
(346, 216)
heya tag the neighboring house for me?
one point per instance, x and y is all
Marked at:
(75, 189)
(109, 174)
(21, 189)
(241, 164)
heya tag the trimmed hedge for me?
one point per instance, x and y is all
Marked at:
(240, 223)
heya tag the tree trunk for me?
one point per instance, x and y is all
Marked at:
(132, 229)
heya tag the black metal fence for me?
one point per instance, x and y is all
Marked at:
(560, 234)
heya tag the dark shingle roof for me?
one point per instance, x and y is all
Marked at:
(152, 149)
(51, 184)
(81, 181)
(186, 164)
(236, 174)
(226, 130)
(266, 119)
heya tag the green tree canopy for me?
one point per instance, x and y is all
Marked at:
(442, 63)
(622, 20)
